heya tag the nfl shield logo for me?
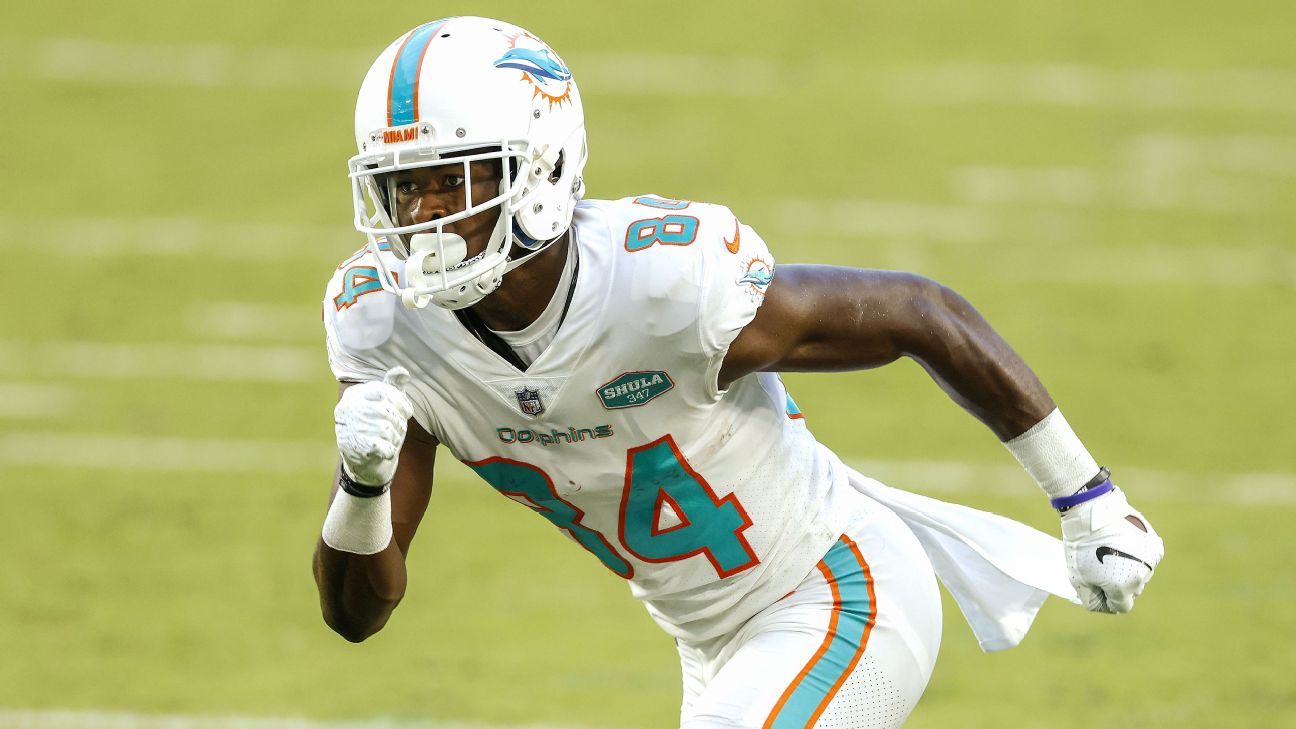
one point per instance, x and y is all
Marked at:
(529, 401)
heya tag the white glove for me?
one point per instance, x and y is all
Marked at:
(370, 420)
(1109, 558)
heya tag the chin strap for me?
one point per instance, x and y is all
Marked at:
(525, 240)
(530, 245)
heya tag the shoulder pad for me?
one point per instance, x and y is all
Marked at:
(357, 309)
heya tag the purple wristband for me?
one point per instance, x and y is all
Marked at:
(1062, 503)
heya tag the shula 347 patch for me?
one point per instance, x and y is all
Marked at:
(633, 389)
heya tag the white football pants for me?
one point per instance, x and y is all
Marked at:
(851, 648)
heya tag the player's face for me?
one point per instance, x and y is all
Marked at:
(430, 193)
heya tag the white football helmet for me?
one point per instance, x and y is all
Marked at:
(452, 92)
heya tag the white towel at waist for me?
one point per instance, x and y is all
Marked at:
(998, 570)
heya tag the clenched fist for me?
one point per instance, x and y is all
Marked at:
(370, 420)
(1111, 552)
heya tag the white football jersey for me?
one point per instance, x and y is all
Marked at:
(712, 504)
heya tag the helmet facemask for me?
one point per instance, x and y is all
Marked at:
(436, 268)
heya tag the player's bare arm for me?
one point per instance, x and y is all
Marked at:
(358, 592)
(831, 318)
(824, 318)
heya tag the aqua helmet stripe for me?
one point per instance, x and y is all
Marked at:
(402, 100)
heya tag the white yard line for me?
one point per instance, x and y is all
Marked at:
(1006, 241)
(158, 64)
(151, 454)
(910, 230)
(241, 320)
(1214, 265)
(887, 219)
(939, 478)
(179, 237)
(1251, 154)
(119, 63)
(689, 75)
(1155, 186)
(75, 719)
(28, 401)
(1066, 186)
(135, 361)
(960, 477)
(1265, 90)
(167, 238)
(1211, 175)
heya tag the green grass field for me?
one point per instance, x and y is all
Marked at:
(1104, 180)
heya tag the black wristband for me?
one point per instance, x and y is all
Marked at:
(361, 490)
(1104, 474)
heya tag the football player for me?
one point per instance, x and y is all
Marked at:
(612, 365)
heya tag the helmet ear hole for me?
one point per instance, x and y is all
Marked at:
(557, 168)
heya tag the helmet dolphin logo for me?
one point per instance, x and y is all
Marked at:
(541, 63)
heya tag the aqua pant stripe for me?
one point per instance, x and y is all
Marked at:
(853, 616)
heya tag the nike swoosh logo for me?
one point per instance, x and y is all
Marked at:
(732, 246)
(1109, 552)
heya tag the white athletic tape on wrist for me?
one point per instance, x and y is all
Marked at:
(358, 525)
(1054, 456)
